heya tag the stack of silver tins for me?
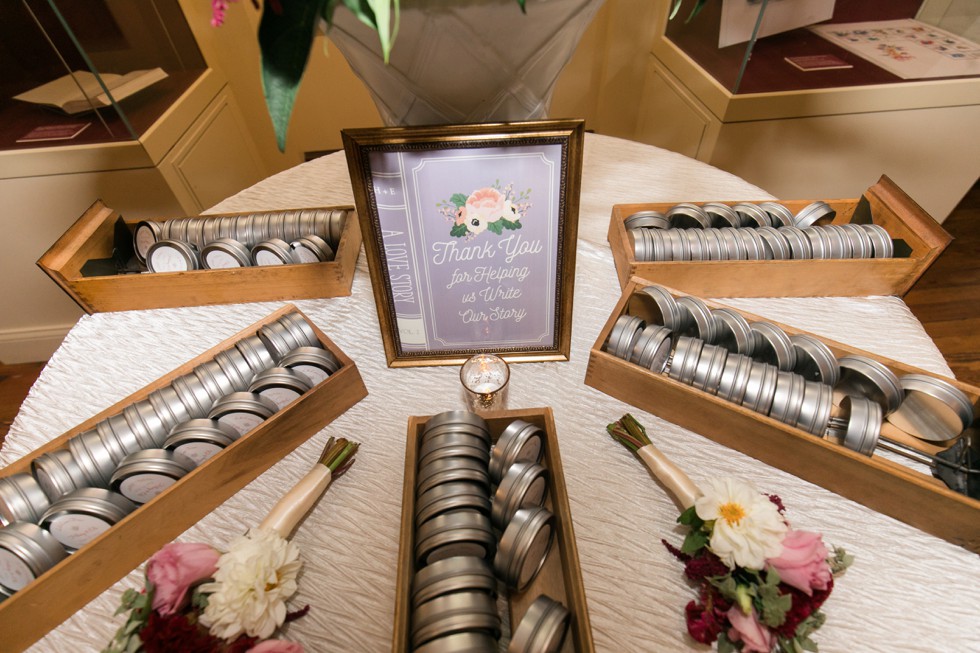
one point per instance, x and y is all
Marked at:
(624, 334)
(932, 409)
(235, 368)
(200, 439)
(311, 249)
(225, 253)
(865, 377)
(542, 629)
(93, 458)
(248, 230)
(172, 256)
(524, 485)
(21, 499)
(26, 552)
(274, 251)
(143, 475)
(146, 424)
(844, 241)
(82, 515)
(461, 612)
(314, 363)
(257, 356)
(652, 348)
(773, 346)
(449, 497)
(242, 411)
(456, 533)
(193, 395)
(814, 360)
(58, 473)
(286, 334)
(519, 442)
(524, 547)
(452, 575)
(168, 406)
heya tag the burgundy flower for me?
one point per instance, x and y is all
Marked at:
(778, 502)
(803, 606)
(704, 565)
(703, 623)
(175, 632)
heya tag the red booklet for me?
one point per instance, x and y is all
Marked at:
(54, 132)
(818, 62)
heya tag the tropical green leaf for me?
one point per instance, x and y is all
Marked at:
(458, 199)
(458, 230)
(285, 38)
(694, 542)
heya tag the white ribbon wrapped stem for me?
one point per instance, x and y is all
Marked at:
(679, 484)
(291, 508)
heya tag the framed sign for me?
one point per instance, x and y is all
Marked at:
(470, 237)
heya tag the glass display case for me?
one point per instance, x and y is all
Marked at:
(90, 71)
(771, 46)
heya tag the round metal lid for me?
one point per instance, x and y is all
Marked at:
(225, 253)
(193, 394)
(865, 377)
(688, 216)
(171, 256)
(647, 219)
(752, 215)
(787, 401)
(280, 384)
(34, 547)
(519, 441)
(256, 354)
(661, 306)
(776, 245)
(685, 359)
(146, 233)
(21, 499)
(524, 547)
(722, 215)
(106, 506)
(458, 574)
(731, 386)
(93, 457)
(454, 443)
(733, 331)
(524, 485)
(542, 629)
(58, 473)
(466, 642)
(273, 251)
(812, 213)
(933, 409)
(733, 244)
(699, 317)
(678, 245)
(815, 410)
(311, 249)
(652, 348)
(863, 424)
(458, 416)
(755, 245)
(883, 245)
(213, 378)
(814, 360)
(779, 215)
(301, 330)
(135, 476)
(773, 346)
(760, 389)
(624, 333)
(316, 363)
(235, 367)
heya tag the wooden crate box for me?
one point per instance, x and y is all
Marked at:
(889, 487)
(560, 577)
(92, 236)
(62, 590)
(889, 207)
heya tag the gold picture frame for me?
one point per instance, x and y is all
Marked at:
(470, 234)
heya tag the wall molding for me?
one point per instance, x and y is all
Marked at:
(31, 344)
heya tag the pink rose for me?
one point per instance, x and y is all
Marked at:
(746, 628)
(483, 206)
(174, 569)
(803, 562)
(276, 646)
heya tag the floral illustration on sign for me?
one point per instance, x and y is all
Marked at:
(490, 208)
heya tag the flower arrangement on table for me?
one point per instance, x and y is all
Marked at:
(760, 582)
(197, 599)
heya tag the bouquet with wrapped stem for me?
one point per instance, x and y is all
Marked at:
(196, 598)
(760, 582)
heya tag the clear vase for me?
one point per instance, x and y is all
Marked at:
(466, 61)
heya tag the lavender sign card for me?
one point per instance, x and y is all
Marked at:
(470, 237)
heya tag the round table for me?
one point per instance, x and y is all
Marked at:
(906, 590)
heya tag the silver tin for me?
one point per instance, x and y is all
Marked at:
(242, 411)
(688, 216)
(652, 348)
(311, 249)
(711, 363)
(799, 244)
(840, 246)
(883, 245)
(93, 457)
(461, 532)
(301, 330)
(776, 245)
(859, 240)
(256, 354)
(624, 334)
(865, 377)
(524, 547)
(755, 245)
(814, 360)
(280, 339)
(760, 389)
(932, 409)
(167, 405)
(542, 629)
(200, 439)
(684, 363)
(192, 393)
(773, 346)
(733, 244)
(458, 574)
(779, 215)
(863, 418)
(813, 213)
(315, 363)
(448, 444)
(449, 497)
(451, 470)
(733, 331)
(235, 368)
(697, 243)
(437, 431)
(815, 411)
(273, 251)
(731, 386)
(119, 437)
(26, 552)
(680, 246)
(142, 418)
(21, 499)
(752, 215)
(787, 402)
(698, 317)
(172, 256)
(714, 245)
(722, 215)
(455, 613)
(143, 475)
(647, 220)
(215, 381)
(146, 233)
(80, 516)
(524, 485)
(466, 642)
(819, 244)
(225, 253)
(520, 441)
(335, 226)
(58, 473)
(663, 307)
(281, 385)
(458, 417)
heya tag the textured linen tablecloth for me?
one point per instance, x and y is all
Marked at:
(906, 591)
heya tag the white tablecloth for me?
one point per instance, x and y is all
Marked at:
(906, 591)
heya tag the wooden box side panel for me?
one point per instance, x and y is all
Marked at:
(65, 588)
(560, 577)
